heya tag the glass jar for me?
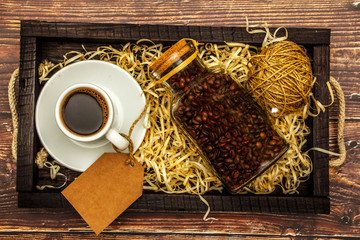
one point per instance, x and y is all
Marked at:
(231, 131)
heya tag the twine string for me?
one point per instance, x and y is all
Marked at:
(41, 158)
(206, 218)
(14, 114)
(281, 78)
(54, 172)
(341, 124)
(132, 161)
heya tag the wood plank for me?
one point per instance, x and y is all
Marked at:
(320, 125)
(218, 203)
(162, 33)
(227, 12)
(119, 236)
(26, 110)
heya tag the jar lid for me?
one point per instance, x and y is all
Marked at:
(173, 60)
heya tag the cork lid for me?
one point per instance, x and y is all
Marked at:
(173, 60)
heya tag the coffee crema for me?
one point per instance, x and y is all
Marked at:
(84, 111)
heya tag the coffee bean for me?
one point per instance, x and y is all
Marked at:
(276, 138)
(262, 135)
(204, 140)
(237, 159)
(272, 142)
(233, 86)
(181, 110)
(236, 174)
(232, 166)
(228, 179)
(228, 135)
(258, 145)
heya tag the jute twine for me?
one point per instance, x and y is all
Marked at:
(41, 157)
(14, 114)
(132, 161)
(341, 124)
(280, 78)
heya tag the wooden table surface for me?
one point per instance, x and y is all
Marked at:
(342, 17)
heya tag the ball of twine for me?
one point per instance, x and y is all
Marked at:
(280, 78)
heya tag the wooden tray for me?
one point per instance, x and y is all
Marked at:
(49, 40)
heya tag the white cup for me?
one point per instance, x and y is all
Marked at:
(107, 133)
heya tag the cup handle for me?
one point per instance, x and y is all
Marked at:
(115, 138)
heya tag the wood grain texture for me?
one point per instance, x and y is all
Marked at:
(26, 110)
(340, 16)
(319, 135)
(185, 202)
(161, 32)
(342, 222)
(135, 236)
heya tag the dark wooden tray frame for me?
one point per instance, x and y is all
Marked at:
(317, 41)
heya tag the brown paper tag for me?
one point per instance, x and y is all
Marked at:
(105, 190)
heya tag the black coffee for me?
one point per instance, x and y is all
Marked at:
(84, 111)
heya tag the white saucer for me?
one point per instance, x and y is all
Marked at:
(109, 77)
